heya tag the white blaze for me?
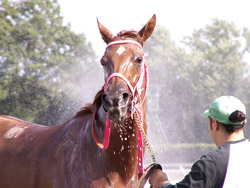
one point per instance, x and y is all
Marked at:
(120, 50)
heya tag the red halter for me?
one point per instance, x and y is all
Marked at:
(136, 92)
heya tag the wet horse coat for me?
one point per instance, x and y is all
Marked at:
(66, 155)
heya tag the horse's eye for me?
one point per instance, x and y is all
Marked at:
(102, 62)
(139, 59)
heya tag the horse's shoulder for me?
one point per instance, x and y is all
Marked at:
(7, 122)
(14, 126)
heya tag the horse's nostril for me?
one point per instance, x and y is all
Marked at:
(104, 97)
(106, 102)
(125, 96)
(124, 99)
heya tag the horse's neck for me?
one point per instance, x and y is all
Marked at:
(120, 158)
(80, 151)
(122, 153)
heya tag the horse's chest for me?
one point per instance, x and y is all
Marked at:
(113, 180)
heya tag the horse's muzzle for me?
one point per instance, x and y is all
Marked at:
(116, 104)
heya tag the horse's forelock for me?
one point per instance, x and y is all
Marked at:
(130, 34)
(90, 108)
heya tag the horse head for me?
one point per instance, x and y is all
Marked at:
(124, 69)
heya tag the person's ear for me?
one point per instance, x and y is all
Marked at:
(215, 125)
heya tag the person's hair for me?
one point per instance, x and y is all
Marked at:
(210, 122)
(235, 117)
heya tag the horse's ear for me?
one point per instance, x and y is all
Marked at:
(148, 29)
(107, 36)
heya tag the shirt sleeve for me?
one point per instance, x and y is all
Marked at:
(207, 172)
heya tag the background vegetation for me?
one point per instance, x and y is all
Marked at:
(42, 62)
(47, 71)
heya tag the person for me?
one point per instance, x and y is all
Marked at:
(229, 165)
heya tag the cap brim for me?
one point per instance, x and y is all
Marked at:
(206, 114)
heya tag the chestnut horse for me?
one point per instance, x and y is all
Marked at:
(70, 155)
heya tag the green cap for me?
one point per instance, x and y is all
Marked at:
(223, 107)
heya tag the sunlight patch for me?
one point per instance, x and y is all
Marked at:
(14, 132)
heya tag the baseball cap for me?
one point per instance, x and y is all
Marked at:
(222, 107)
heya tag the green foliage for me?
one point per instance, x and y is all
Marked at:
(220, 48)
(211, 63)
(41, 61)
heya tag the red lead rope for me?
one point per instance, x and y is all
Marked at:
(106, 142)
(106, 135)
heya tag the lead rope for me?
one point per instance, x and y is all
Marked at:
(143, 179)
(139, 123)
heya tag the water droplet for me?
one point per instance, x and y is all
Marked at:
(122, 148)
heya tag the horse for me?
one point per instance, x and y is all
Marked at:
(98, 147)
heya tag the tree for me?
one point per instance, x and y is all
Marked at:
(222, 53)
(41, 62)
(212, 63)
(220, 68)
(168, 65)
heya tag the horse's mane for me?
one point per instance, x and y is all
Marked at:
(89, 108)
